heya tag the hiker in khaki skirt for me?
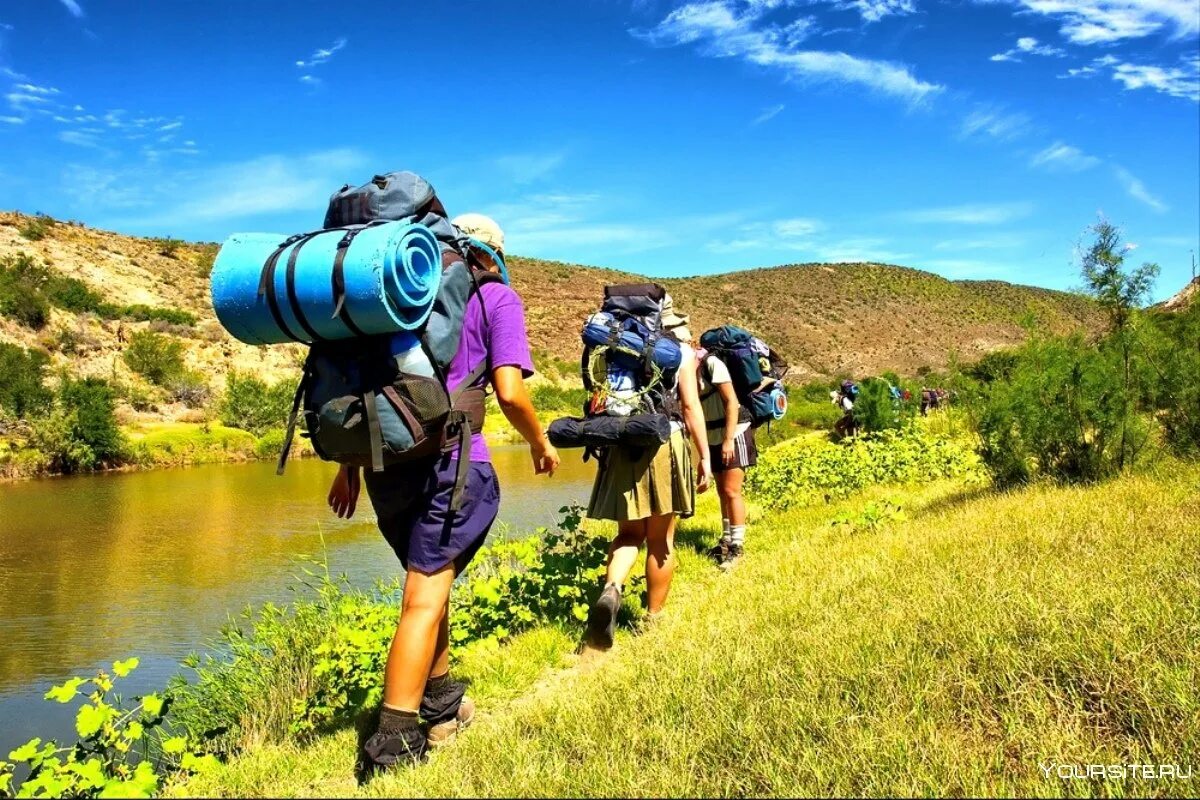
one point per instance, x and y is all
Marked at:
(645, 491)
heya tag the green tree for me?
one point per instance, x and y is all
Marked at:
(155, 356)
(81, 434)
(22, 376)
(1121, 293)
(250, 404)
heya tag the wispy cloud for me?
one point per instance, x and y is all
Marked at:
(1027, 45)
(321, 55)
(870, 10)
(1104, 21)
(1137, 190)
(736, 29)
(74, 7)
(791, 234)
(767, 114)
(970, 214)
(1063, 157)
(1174, 81)
(996, 123)
(530, 167)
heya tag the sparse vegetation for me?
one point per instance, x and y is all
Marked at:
(156, 357)
(37, 227)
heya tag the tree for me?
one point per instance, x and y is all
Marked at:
(1121, 293)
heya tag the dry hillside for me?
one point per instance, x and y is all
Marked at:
(826, 319)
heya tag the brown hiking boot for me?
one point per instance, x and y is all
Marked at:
(445, 733)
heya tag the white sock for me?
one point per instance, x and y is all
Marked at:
(724, 530)
(737, 534)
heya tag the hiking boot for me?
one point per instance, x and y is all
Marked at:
(720, 553)
(735, 552)
(398, 741)
(602, 619)
(444, 733)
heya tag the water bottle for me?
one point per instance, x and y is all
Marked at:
(410, 356)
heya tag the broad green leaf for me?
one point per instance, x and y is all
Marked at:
(122, 788)
(91, 773)
(134, 731)
(199, 764)
(176, 744)
(26, 751)
(123, 668)
(5, 782)
(91, 719)
(63, 693)
(152, 705)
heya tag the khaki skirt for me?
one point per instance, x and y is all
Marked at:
(638, 483)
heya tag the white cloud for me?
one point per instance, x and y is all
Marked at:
(970, 214)
(1063, 157)
(723, 29)
(1002, 241)
(12, 120)
(996, 123)
(767, 114)
(1027, 45)
(29, 88)
(873, 10)
(74, 7)
(322, 55)
(170, 126)
(1137, 190)
(795, 233)
(1103, 21)
(1175, 81)
(81, 138)
(860, 250)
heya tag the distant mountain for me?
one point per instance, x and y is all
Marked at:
(826, 319)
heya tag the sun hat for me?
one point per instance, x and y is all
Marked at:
(481, 228)
(675, 323)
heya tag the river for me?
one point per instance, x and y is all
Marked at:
(151, 564)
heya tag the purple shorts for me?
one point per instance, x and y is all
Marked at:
(412, 502)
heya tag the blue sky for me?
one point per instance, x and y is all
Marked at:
(972, 138)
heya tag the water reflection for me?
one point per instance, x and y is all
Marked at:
(151, 564)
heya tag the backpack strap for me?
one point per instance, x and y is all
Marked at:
(290, 435)
(374, 431)
(338, 278)
(266, 284)
(297, 312)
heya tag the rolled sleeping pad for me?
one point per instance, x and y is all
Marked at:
(639, 430)
(391, 273)
(779, 402)
(598, 328)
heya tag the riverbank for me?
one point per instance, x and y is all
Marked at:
(931, 639)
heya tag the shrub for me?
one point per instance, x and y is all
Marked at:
(802, 472)
(190, 388)
(168, 246)
(22, 284)
(81, 434)
(37, 227)
(875, 409)
(157, 358)
(72, 294)
(552, 397)
(250, 404)
(22, 375)
(205, 258)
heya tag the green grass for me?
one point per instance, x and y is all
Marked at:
(948, 653)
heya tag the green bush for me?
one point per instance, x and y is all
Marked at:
(22, 376)
(143, 313)
(551, 397)
(250, 404)
(190, 388)
(37, 227)
(22, 285)
(1171, 343)
(168, 246)
(81, 433)
(154, 356)
(875, 409)
(205, 259)
(72, 294)
(119, 747)
(803, 472)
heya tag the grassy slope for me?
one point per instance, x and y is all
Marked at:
(948, 654)
(826, 319)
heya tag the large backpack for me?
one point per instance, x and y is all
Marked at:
(375, 401)
(757, 371)
(629, 367)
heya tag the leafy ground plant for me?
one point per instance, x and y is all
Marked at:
(120, 745)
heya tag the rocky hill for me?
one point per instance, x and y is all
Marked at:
(826, 319)
(1184, 299)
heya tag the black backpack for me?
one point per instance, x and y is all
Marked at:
(375, 401)
(757, 371)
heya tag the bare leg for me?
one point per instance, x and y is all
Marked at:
(415, 644)
(733, 505)
(441, 653)
(623, 552)
(660, 560)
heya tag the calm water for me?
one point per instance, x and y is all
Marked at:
(151, 564)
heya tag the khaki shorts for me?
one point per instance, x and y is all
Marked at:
(644, 482)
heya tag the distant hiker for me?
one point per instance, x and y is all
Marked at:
(644, 486)
(843, 398)
(415, 506)
(121, 332)
(930, 399)
(740, 387)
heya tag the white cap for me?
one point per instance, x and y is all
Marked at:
(481, 228)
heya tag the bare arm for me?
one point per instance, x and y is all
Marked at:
(732, 415)
(518, 409)
(693, 415)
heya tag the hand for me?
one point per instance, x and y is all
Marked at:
(728, 454)
(545, 457)
(703, 476)
(343, 494)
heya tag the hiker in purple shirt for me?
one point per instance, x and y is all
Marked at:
(412, 502)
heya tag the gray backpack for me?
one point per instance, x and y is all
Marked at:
(368, 403)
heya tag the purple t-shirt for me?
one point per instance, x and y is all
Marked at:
(504, 336)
